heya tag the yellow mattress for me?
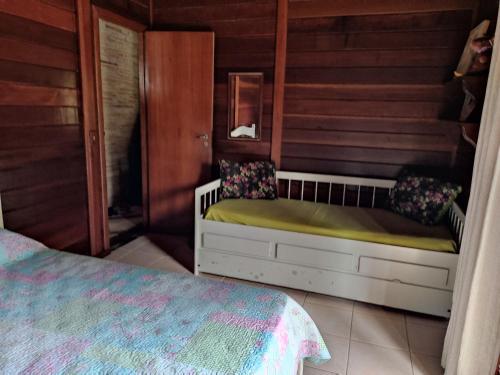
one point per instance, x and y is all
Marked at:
(363, 224)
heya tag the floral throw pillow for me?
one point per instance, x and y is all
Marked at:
(254, 180)
(424, 199)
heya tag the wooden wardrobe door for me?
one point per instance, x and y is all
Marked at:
(179, 92)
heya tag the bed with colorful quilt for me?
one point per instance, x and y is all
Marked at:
(64, 313)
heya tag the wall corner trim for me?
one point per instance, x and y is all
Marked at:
(151, 14)
(91, 135)
(279, 80)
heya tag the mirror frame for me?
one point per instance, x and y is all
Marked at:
(230, 107)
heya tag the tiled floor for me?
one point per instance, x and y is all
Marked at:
(363, 339)
(119, 225)
(143, 252)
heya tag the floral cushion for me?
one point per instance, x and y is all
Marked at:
(424, 199)
(254, 180)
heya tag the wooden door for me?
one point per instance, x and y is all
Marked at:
(179, 92)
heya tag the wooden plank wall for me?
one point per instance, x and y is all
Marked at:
(244, 42)
(135, 9)
(42, 159)
(42, 167)
(364, 93)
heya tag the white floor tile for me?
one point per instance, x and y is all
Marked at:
(137, 243)
(339, 350)
(116, 255)
(144, 246)
(379, 330)
(167, 263)
(313, 371)
(381, 311)
(426, 365)
(321, 299)
(144, 253)
(137, 259)
(170, 242)
(298, 295)
(426, 339)
(367, 359)
(330, 320)
(151, 250)
(119, 225)
(426, 320)
(121, 252)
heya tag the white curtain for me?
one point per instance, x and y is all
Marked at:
(472, 342)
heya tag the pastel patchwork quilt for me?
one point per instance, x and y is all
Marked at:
(67, 314)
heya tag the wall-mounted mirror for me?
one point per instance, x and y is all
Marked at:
(245, 105)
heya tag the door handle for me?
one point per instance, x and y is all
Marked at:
(203, 137)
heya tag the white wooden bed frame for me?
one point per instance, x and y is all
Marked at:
(406, 278)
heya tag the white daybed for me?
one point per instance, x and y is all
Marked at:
(400, 277)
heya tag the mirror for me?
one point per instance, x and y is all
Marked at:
(245, 105)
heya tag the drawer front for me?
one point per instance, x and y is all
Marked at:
(237, 245)
(405, 272)
(315, 257)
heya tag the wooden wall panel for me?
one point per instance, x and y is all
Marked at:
(42, 166)
(42, 12)
(364, 92)
(37, 32)
(319, 8)
(364, 88)
(135, 9)
(424, 21)
(244, 42)
(14, 93)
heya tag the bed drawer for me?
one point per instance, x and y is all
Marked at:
(315, 257)
(404, 272)
(237, 245)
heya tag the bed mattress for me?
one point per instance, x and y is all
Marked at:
(362, 224)
(63, 313)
